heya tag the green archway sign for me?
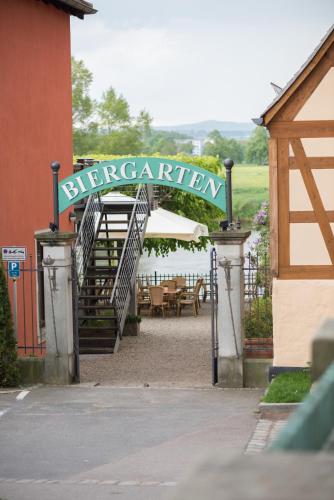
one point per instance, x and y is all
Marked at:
(142, 170)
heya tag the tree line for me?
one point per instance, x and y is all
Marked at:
(107, 127)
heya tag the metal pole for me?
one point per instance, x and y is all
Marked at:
(55, 166)
(228, 166)
(15, 307)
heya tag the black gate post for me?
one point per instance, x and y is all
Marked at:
(228, 166)
(55, 166)
(75, 287)
(214, 315)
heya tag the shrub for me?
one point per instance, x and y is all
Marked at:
(258, 320)
(9, 374)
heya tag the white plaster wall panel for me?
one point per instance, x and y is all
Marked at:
(307, 246)
(320, 104)
(320, 146)
(298, 198)
(300, 307)
(324, 179)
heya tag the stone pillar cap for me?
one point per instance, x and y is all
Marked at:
(233, 237)
(55, 239)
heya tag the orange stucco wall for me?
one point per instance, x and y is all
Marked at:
(36, 123)
(35, 129)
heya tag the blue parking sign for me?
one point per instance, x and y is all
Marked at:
(14, 269)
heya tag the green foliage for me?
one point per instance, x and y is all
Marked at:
(256, 150)
(113, 110)
(258, 319)
(163, 246)
(166, 143)
(250, 189)
(290, 387)
(124, 141)
(82, 104)
(9, 374)
(113, 130)
(224, 148)
(133, 318)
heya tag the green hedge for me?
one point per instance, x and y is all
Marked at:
(9, 374)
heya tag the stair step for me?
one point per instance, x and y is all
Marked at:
(99, 336)
(101, 344)
(116, 210)
(118, 221)
(102, 268)
(106, 257)
(114, 231)
(96, 329)
(93, 287)
(96, 350)
(103, 336)
(91, 306)
(100, 276)
(94, 297)
(107, 248)
(96, 318)
(109, 239)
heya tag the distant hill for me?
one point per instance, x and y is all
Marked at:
(237, 130)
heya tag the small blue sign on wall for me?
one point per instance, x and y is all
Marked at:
(14, 269)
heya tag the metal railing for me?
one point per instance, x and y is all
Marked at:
(132, 249)
(257, 296)
(86, 235)
(28, 308)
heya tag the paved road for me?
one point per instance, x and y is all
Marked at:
(96, 442)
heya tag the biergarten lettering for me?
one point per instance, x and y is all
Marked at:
(142, 170)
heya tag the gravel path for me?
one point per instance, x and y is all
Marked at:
(172, 352)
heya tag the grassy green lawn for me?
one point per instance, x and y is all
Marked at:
(250, 187)
(289, 387)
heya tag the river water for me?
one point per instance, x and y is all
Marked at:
(182, 261)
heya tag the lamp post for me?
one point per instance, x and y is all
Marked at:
(228, 166)
(55, 166)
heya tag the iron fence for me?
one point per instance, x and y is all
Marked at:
(257, 293)
(27, 302)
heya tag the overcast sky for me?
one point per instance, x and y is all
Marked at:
(192, 60)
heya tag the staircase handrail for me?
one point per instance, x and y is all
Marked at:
(132, 249)
(87, 232)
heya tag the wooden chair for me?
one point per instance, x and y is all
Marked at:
(181, 282)
(143, 299)
(157, 299)
(190, 299)
(170, 284)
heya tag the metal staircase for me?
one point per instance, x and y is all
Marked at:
(107, 251)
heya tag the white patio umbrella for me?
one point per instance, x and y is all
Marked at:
(165, 224)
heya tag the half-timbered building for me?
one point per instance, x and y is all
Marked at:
(300, 122)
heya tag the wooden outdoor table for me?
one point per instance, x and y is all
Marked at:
(172, 295)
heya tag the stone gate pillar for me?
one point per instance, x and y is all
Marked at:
(230, 258)
(57, 268)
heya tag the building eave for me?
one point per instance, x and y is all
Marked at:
(295, 82)
(78, 8)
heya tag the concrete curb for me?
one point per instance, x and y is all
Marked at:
(277, 411)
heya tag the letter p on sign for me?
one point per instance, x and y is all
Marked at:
(14, 269)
